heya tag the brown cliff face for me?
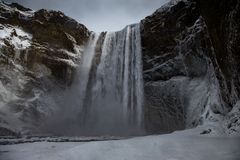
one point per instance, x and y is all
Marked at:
(51, 32)
(38, 54)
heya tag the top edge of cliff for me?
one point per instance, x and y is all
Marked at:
(28, 12)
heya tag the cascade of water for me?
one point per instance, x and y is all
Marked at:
(114, 103)
(138, 75)
(85, 67)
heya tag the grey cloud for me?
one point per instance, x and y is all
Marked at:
(99, 15)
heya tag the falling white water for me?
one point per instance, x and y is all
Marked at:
(111, 85)
(126, 73)
(85, 66)
(138, 75)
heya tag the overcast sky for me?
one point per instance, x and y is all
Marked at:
(99, 15)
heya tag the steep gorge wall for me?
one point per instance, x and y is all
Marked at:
(223, 23)
(191, 66)
(39, 53)
(175, 48)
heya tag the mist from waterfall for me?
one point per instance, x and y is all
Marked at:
(114, 98)
(106, 97)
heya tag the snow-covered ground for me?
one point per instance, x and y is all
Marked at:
(185, 145)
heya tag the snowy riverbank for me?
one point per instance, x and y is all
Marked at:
(184, 145)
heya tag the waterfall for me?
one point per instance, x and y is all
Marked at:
(111, 84)
(85, 66)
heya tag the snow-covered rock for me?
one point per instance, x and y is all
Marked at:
(186, 81)
(33, 63)
(15, 36)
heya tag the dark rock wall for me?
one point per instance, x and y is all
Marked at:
(163, 35)
(29, 74)
(160, 32)
(52, 31)
(190, 63)
(223, 24)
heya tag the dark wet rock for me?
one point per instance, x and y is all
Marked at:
(161, 33)
(206, 131)
(51, 32)
(175, 45)
(190, 56)
(55, 28)
(7, 132)
(223, 22)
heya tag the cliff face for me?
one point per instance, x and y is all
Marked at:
(191, 66)
(53, 35)
(223, 23)
(222, 20)
(39, 52)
